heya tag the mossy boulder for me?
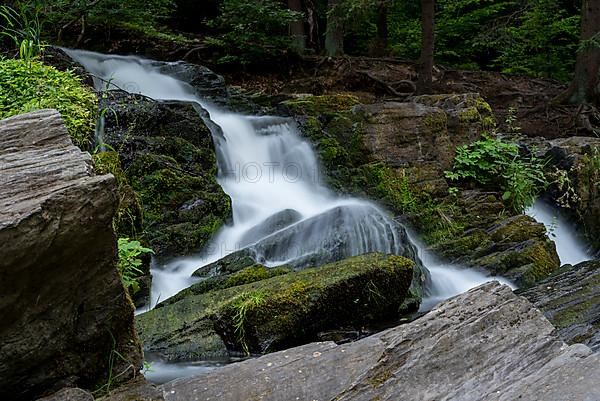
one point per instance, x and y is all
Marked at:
(281, 311)
(168, 157)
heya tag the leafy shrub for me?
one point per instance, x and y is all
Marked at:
(129, 262)
(496, 164)
(33, 86)
(252, 30)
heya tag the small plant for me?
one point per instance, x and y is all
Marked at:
(243, 304)
(511, 121)
(496, 164)
(129, 262)
(24, 29)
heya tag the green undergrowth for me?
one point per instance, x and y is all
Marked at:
(27, 86)
(496, 164)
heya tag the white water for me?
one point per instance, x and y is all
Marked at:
(570, 249)
(447, 280)
(270, 172)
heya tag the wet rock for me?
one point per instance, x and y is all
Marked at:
(570, 299)
(64, 307)
(229, 264)
(137, 389)
(271, 224)
(168, 157)
(279, 312)
(205, 82)
(486, 344)
(423, 134)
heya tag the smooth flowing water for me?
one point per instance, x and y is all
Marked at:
(281, 209)
(569, 247)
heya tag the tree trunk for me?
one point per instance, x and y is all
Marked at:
(381, 40)
(584, 87)
(313, 25)
(427, 46)
(334, 37)
(297, 31)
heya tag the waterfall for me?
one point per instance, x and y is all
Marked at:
(281, 209)
(571, 249)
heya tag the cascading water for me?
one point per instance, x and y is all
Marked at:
(282, 213)
(570, 249)
(281, 210)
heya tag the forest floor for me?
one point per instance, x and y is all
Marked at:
(375, 79)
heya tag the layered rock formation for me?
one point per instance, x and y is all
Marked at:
(65, 312)
(570, 299)
(487, 344)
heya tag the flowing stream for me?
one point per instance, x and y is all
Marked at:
(571, 249)
(281, 210)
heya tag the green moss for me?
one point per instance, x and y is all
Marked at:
(463, 246)
(128, 220)
(436, 122)
(26, 87)
(543, 259)
(182, 209)
(294, 306)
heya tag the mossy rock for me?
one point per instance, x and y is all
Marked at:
(128, 220)
(168, 157)
(280, 311)
(247, 275)
(524, 263)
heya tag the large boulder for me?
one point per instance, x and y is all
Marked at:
(278, 312)
(570, 299)
(66, 315)
(168, 156)
(486, 344)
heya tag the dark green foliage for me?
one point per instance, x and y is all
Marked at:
(250, 31)
(537, 37)
(59, 17)
(496, 164)
(130, 262)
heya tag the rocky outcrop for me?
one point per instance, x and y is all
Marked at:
(487, 344)
(168, 157)
(397, 153)
(278, 312)
(570, 299)
(576, 186)
(65, 312)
